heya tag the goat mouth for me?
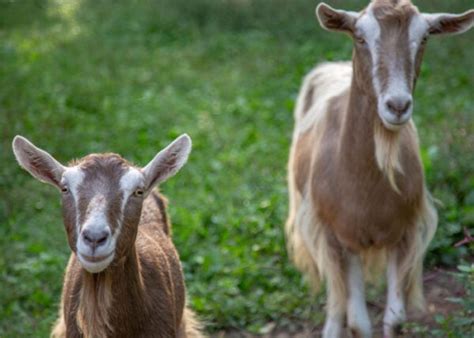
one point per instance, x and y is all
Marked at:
(95, 264)
(393, 126)
(95, 259)
(397, 123)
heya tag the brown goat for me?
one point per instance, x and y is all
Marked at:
(124, 277)
(356, 182)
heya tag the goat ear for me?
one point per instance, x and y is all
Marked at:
(37, 162)
(444, 23)
(335, 20)
(168, 161)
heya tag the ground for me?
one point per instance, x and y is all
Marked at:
(440, 284)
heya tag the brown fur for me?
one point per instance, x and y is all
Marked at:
(343, 201)
(397, 9)
(355, 186)
(343, 169)
(394, 24)
(141, 293)
(124, 277)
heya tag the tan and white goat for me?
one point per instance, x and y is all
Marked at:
(356, 182)
(124, 277)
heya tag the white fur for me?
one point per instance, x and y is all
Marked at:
(72, 179)
(316, 243)
(328, 81)
(129, 182)
(96, 221)
(357, 314)
(398, 88)
(96, 267)
(395, 308)
(333, 328)
(369, 28)
(417, 31)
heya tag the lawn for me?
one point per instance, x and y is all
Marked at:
(129, 76)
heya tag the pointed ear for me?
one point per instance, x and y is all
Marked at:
(37, 162)
(444, 23)
(167, 162)
(335, 20)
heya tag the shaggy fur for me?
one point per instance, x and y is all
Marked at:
(355, 186)
(357, 189)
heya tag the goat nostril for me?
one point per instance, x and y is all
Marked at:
(95, 238)
(390, 106)
(102, 239)
(398, 106)
(406, 107)
(87, 236)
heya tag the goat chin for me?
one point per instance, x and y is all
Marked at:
(95, 267)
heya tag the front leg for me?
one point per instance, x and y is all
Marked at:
(336, 303)
(332, 268)
(395, 309)
(357, 314)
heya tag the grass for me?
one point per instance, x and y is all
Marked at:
(91, 76)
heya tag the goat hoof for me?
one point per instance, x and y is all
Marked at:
(356, 333)
(398, 329)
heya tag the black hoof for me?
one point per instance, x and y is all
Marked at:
(398, 329)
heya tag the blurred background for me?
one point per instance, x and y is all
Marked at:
(129, 76)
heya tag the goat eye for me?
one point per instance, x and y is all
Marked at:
(138, 193)
(64, 190)
(360, 40)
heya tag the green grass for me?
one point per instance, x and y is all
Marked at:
(91, 76)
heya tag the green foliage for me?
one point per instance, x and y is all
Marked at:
(129, 76)
(460, 323)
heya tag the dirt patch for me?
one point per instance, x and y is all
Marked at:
(440, 284)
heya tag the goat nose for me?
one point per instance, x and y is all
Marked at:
(95, 238)
(399, 105)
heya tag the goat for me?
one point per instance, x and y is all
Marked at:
(124, 277)
(357, 193)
